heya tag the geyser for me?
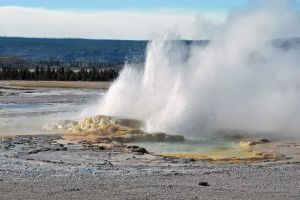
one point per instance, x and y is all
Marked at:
(243, 79)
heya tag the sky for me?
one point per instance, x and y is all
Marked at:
(127, 4)
(112, 19)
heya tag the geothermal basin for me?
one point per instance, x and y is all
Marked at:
(34, 111)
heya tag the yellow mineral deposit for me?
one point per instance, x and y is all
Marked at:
(100, 128)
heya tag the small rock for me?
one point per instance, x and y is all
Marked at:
(60, 145)
(73, 190)
(132, 147)
(187, 160)
(264, 140)
(99, 147)
(140, 150)
(203, 183)
(64, 149)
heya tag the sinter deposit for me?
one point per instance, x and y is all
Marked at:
(112, 128)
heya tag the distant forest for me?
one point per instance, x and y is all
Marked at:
(58, 71)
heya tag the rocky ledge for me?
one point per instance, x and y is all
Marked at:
(107, 128)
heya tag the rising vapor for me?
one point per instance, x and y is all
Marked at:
(243, 80)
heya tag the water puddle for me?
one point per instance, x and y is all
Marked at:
(187, 146)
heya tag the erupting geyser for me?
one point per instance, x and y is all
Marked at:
(243, 79)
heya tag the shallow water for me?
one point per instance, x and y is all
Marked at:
(195, 146)
(17, 106)
(27, 111)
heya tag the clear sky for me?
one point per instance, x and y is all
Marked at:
(195, 5)
(116, 19)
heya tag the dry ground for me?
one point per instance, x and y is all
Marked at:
(35, 167)
(56, 84)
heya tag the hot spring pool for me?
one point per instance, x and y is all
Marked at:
(187, 146)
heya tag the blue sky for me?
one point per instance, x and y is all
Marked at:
(128, 4)
(117, 19)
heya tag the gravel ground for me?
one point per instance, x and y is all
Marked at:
(36, 167)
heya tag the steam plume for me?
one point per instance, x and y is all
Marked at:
(243, 79)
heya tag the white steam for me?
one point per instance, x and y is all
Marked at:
(239, 81)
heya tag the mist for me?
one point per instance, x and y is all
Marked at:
(240, 81)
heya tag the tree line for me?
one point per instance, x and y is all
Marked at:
(77, 64)
(57, 73)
